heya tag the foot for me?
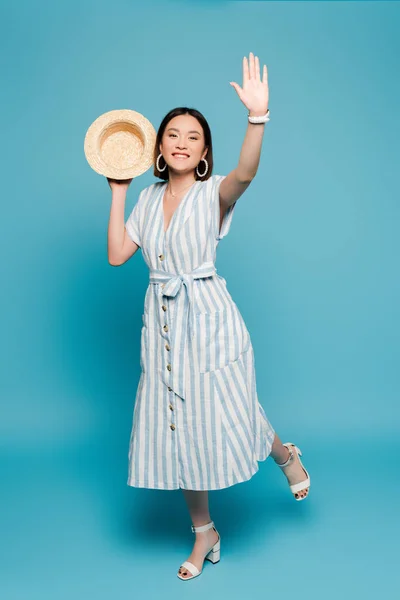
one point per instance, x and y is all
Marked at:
(295, 472)
(205, 540)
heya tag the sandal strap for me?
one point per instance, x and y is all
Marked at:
(192, 568)
(302, 485)
(203, 527)
(288, 460)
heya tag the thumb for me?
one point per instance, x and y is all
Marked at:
(237, 88)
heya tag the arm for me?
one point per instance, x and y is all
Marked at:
(120, 246)
(254, 96)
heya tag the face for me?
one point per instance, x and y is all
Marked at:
(183, 144)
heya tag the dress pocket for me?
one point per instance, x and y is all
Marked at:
(221, 337)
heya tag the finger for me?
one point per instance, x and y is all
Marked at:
(245, 71)
(252, 68)
(265, 74)
(239, 91)
(237, 88)
(257, 69)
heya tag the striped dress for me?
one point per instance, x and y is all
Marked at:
(197, 423)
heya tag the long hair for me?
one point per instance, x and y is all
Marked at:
(184, 110)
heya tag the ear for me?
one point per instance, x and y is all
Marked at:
(204, 153)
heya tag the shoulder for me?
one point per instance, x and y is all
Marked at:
(214, 181)
(217, 178)
(212, 185)
(148, 192)
(151, 188)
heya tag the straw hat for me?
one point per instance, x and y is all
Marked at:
(120, 144)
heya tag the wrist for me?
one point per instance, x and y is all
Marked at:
(250, 124)
(257, 113)
(254, 117)
(119, 192)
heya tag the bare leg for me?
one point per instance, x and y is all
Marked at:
(294, 471)
(279, 452)
(197, 502)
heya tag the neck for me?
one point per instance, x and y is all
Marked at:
(178, 182)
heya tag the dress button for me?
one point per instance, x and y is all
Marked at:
(169, 389)
(164, 307)
(167, 347)
(169, 367)
(161, 256)
(171, 407)
(172, 426)
(165, 327)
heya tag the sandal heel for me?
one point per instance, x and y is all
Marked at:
(215, 554)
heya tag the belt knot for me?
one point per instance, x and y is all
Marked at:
(175, 281)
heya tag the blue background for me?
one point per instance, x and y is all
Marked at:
(311, 261)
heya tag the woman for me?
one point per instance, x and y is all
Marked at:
(197, 422)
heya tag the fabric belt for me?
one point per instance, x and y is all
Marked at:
(174, 282)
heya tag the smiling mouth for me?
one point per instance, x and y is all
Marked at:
(180, 156)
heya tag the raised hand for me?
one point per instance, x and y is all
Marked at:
(254, 94)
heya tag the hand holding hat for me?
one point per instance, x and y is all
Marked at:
(116, 184)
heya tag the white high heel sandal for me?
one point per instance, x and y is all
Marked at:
(302, 485)
(212, 555)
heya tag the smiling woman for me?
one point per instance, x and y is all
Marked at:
(197, 423)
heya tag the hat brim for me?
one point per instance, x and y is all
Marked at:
(120, 144)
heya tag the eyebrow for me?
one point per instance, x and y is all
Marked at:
(175, 129)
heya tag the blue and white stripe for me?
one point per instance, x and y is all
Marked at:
(197, 421)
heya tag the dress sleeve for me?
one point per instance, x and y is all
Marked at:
(132, 224)
(227, 220)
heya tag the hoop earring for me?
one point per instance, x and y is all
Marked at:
(158, 168)
(205, 172)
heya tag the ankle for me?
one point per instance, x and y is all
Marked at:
(281, 460)
(203, 535)
(201, 522)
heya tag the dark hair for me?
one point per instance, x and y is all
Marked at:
(183, 110)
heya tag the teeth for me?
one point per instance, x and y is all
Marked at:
(180, 156)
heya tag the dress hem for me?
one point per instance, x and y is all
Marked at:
(176, 486)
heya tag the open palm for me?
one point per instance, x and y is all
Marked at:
(254, 94)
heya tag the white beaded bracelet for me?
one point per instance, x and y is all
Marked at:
(260, 119)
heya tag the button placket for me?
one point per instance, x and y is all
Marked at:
(166, 329)
(167, 346)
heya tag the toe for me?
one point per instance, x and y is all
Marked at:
(184, 573)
